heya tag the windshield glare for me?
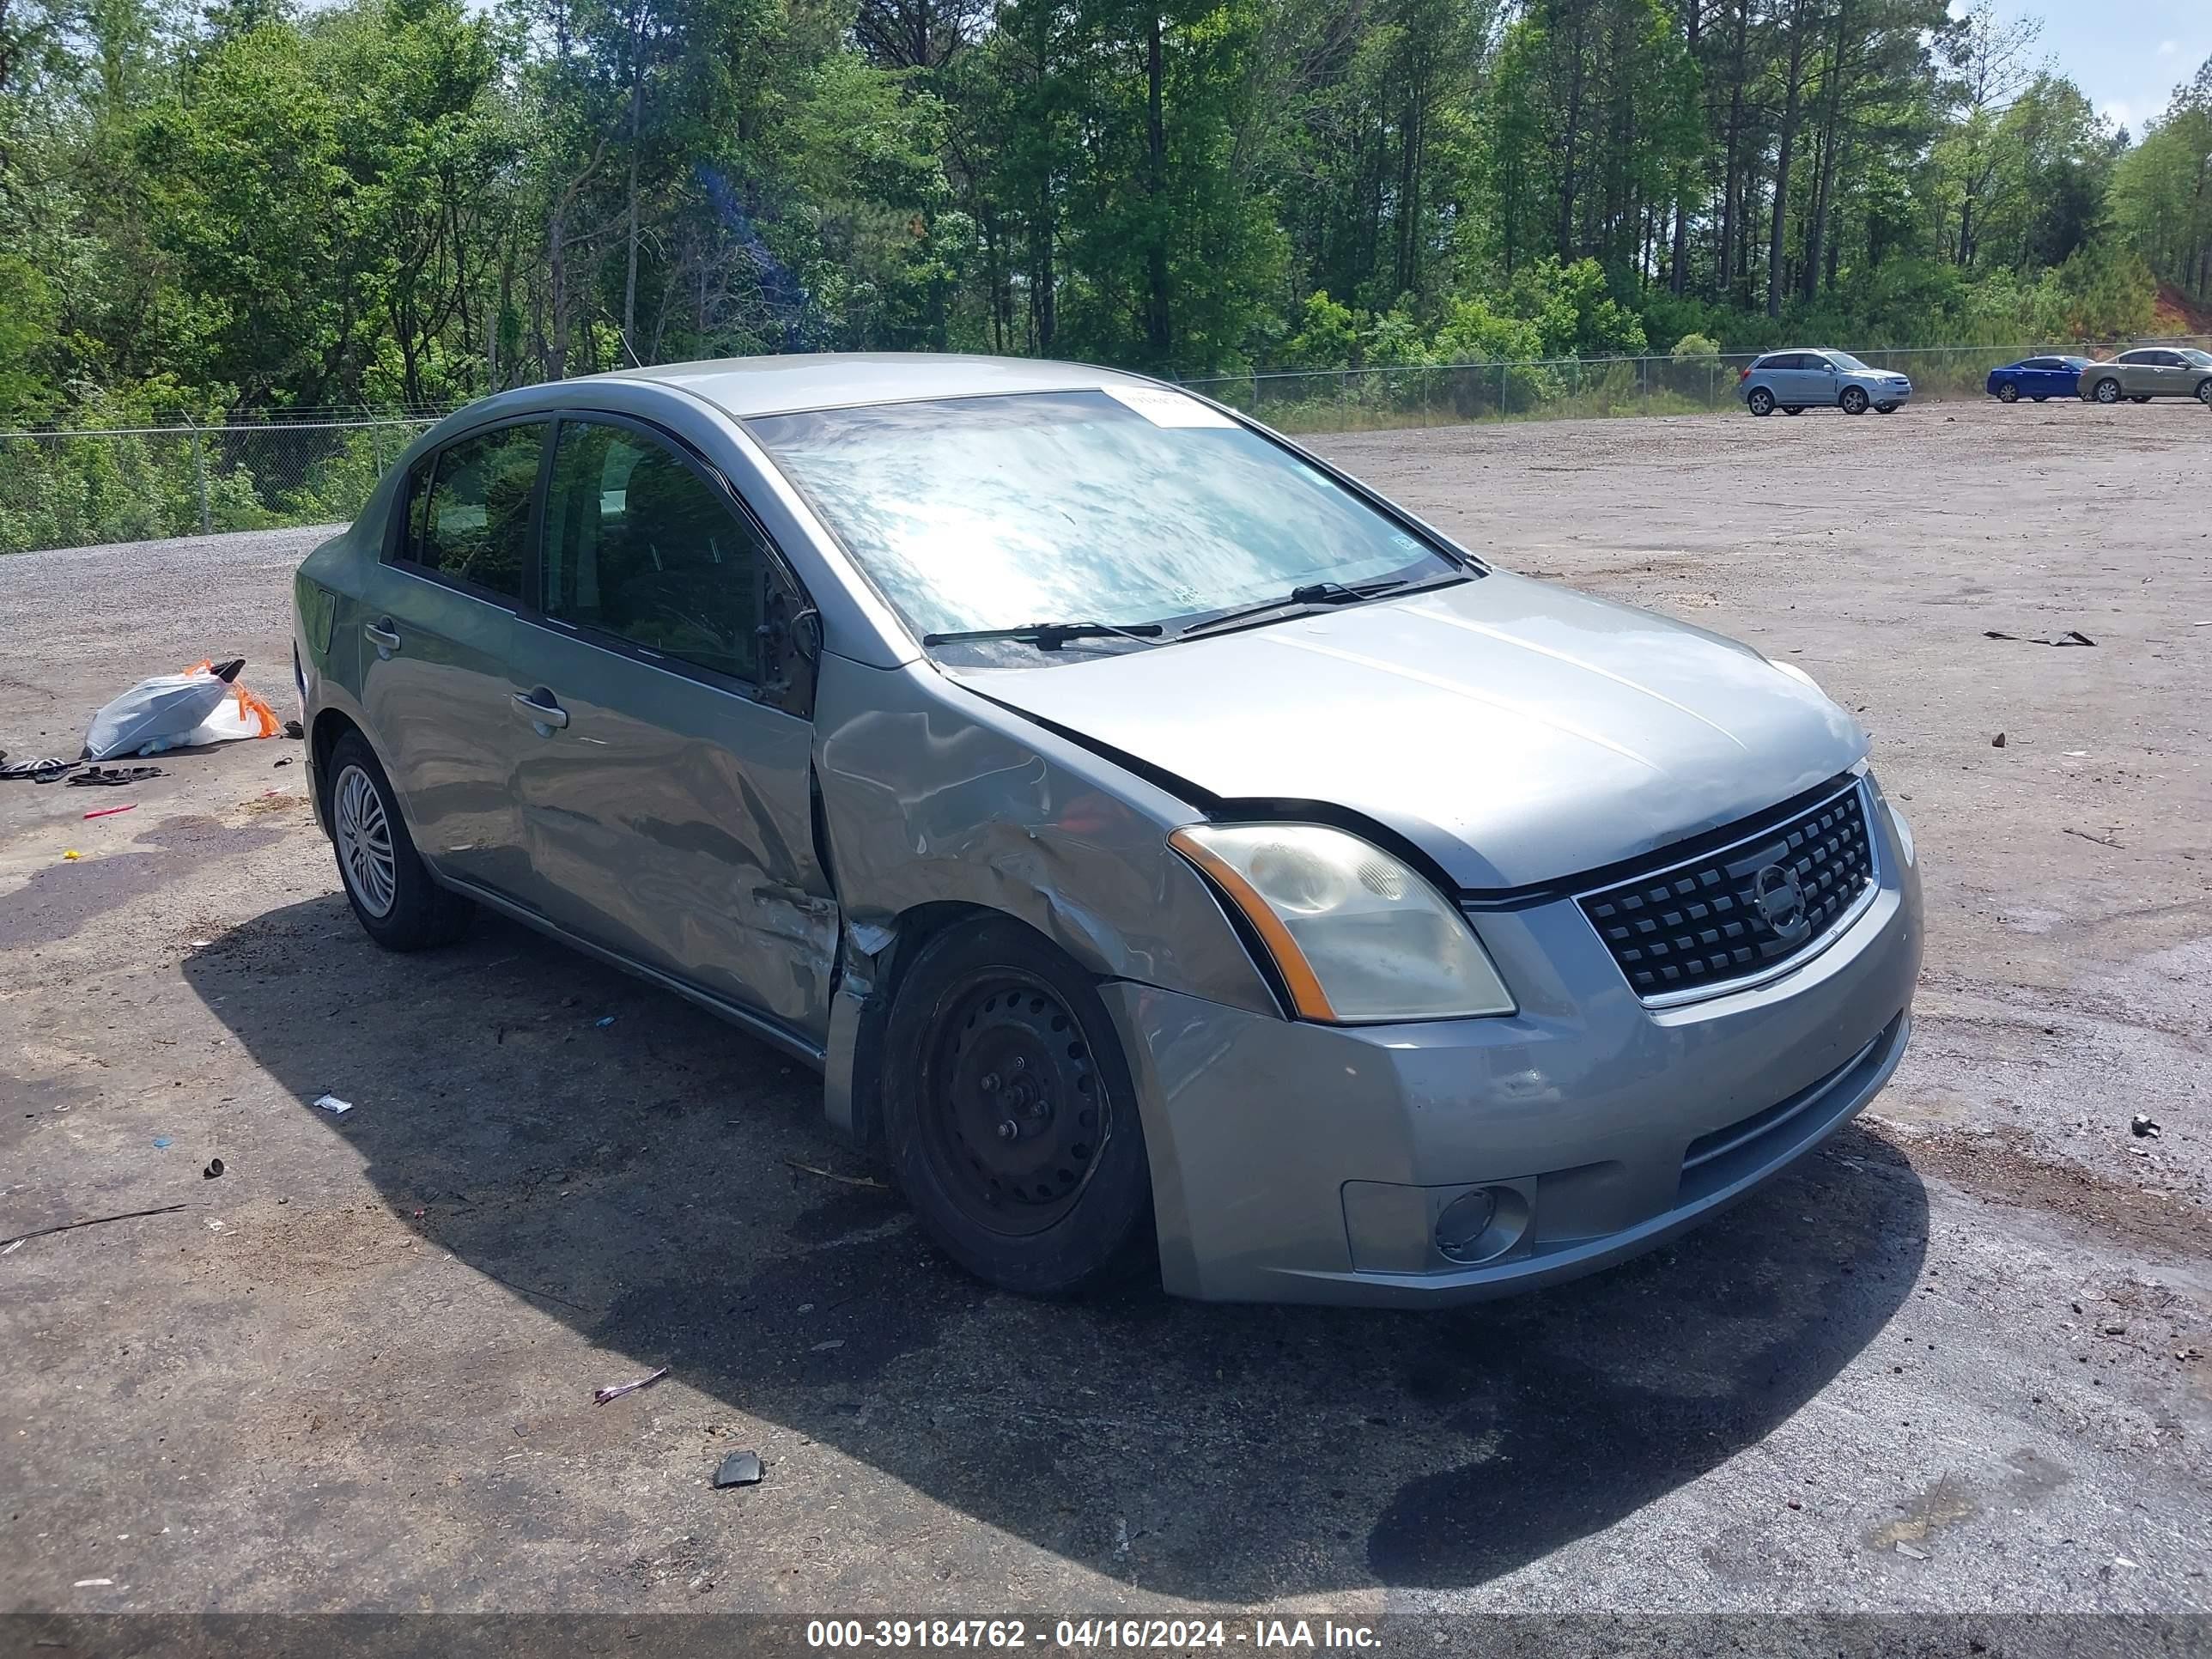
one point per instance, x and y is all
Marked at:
(1844, 360)
(2202, 359)
(979, 513)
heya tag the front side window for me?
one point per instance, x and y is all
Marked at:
(472, 525)
(641, 546)
(1138, 505)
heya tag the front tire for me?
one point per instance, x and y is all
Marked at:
(2204, 392)
(1009, 1115)
(1761, 401)
(2107, 392)
(1854, 400)
(386, 881)
(2007, 394)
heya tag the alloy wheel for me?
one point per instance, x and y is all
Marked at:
(2108, 391)
(363, 834)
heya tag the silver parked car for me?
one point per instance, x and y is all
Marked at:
(1162, 845)
(2149, 372)
(1794, 381)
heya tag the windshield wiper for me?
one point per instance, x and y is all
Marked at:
(1319, 593)
(1049, 636)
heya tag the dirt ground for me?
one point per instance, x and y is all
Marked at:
(1957, 1362)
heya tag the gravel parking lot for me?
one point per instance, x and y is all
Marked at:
(1961, 1360)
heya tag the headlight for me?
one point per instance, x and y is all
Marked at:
(1358, 936)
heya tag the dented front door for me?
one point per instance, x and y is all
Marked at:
(670, 820)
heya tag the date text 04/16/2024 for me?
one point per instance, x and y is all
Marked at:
(1176, 1635)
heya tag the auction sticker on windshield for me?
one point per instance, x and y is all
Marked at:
(1162, 407)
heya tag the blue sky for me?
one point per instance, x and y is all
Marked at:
(2127, 55)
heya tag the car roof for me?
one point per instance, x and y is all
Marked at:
(746, 387)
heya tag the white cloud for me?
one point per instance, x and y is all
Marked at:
(2118, 113)
(2168, 48)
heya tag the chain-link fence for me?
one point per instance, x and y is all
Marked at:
(1369, 399)
(75, 489)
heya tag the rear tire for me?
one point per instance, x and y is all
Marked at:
(392, 893)
(2042, 397)
(2107, 392)
(1761, 401)
(2007, 394)
(1854, 400)
(2143, 398)
(1885, 409)
(1009, 1115)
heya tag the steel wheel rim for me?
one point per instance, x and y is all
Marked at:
(2108, 393)
(1006, 1054)
(363, 834)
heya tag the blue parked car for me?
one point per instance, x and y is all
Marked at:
(1794, 381)
(2038, 378)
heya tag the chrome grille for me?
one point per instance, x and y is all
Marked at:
(1750, 905)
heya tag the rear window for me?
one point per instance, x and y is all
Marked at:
(468, 510)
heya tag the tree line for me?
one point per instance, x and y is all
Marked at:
(256, 206)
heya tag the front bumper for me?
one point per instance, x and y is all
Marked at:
(1299, 1162)
(1891, 394)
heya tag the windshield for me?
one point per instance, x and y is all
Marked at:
(2202, 359)
(1844, 360)
(1138, 506)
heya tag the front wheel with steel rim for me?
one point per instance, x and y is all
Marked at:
(2204, 392)
(391, 891)
(1010, 1117)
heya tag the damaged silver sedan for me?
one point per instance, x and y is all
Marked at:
(1168, 850)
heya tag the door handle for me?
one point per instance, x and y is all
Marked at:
(381, 634)
(542, 714)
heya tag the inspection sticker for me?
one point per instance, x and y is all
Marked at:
(1164, 407)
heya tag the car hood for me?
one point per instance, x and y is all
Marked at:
(1516, 732)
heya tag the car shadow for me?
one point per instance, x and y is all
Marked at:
(630, 1166)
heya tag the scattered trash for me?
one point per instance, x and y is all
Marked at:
(832, 1174)
(213, 1169)
(1997, 742)
(2144, 1127)
(831, 1346)
(604, 1023)
(601, 1397)
(286, 761)
(109, 812)
(2071, 636)
(2116, 1330)
(91, 1584)
(162, 1143)
(1910, 1552)
(92, 1221)
(739, 1468)
(16, 1244)
(204, 704)
(2184, 1355)
(114, 777)
(71, 856)
(294, 730)
(333, 1105)
(2101, 841)
(2077, 754)
(40, 771)
(202, 944)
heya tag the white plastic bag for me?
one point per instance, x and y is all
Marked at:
(177, 711)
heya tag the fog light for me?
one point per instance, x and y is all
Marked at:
(1462, 1228)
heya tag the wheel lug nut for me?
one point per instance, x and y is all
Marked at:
(989, 1083)
(1021, 1063)
(1009, 1129)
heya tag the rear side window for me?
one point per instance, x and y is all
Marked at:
(468, 511)
(2138, 357)
(639, 545)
